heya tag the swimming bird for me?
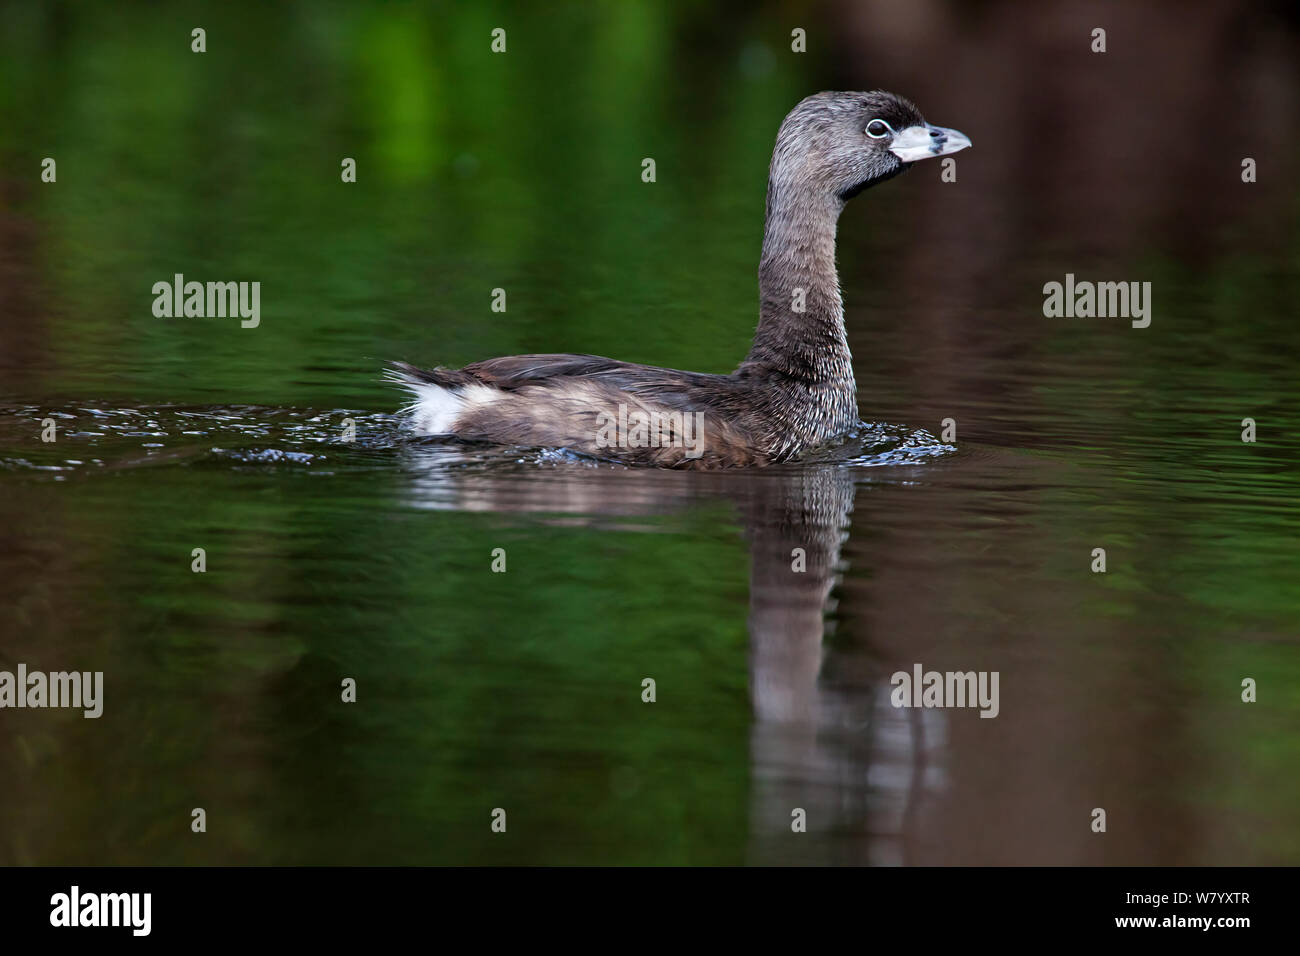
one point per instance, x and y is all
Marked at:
(795, 389)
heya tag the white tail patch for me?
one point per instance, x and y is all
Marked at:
(437, 408)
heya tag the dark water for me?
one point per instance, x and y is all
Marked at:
(371, 558)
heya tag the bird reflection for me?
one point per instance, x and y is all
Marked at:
(838, 774)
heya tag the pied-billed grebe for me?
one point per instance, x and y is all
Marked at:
(793, 391)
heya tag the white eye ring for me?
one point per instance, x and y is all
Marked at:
(879, 135)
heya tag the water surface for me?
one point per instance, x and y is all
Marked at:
(371, 558)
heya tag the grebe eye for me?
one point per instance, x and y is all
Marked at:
(878, 129)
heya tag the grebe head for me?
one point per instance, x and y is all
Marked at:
(838, 144)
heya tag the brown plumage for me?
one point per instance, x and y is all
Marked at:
(793, 391)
